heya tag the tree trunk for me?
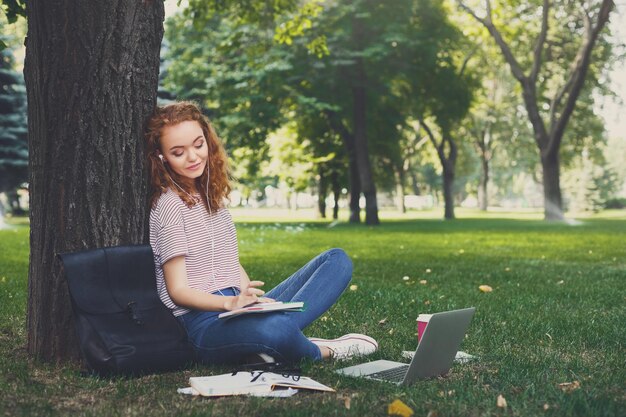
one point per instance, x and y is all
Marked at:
(355, 189)
(360, 144)
(483, 199)
(415, 183)
(336, 193)
(355, 184)
(91, 74)
(553, 203)
(359, 120)
(447, 156)
(448, 186)
(399, 174)
(322, 191)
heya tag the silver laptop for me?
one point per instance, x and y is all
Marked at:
(433, 357)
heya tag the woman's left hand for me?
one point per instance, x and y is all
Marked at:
(251, 290)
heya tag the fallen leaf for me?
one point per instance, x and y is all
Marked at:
(353, 287)
(398, 408)
(569, 386)
(346, 402)
(423, 282)
(383, 321)
(501, 401)
(432, 413)
(485, 288)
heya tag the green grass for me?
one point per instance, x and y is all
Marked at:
(556, 314)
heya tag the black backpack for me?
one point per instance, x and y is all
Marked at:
(122, 325)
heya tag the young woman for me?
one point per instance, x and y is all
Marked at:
(197, 261)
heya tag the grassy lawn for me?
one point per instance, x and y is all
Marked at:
(556, 315)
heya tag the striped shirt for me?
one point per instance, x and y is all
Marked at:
(177, 230)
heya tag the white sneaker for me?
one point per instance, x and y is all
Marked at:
(348, 346)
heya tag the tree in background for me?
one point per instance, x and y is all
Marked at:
(395, 47)
(551, 69)
(440, 87)
(492, 122)
(13, 130)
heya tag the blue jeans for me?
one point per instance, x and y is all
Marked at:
(319, 284)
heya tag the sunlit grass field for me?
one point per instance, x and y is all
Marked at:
(556, 315)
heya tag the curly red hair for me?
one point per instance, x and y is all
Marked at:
(162, 176)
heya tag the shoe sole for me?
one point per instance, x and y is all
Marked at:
(347, 336)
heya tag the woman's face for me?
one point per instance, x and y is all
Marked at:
(185, 149)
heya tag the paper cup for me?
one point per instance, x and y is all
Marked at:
(422, 322)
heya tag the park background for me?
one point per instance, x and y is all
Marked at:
(441, 105)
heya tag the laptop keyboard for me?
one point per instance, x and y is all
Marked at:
(393, 375)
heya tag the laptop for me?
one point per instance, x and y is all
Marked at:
(434, 355)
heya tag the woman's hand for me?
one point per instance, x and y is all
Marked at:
(250, 294)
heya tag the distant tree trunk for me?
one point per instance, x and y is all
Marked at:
(362, 156)
(448, 191)
(322, 191)
(355, 188)
(447, 153)
(91, 73)
(359, 103)
(483, 199)
(399, 174)
(414, 183)
(553, 206)
(336, 193)
(355, 183)
(484, 146)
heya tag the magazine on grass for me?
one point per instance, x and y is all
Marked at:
(264, 308)
(252, 383)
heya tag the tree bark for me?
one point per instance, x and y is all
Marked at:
(359, 120)
(355, 183)
(553, 207)
(334, 177)
(322, 191)
(448, 191)
(368, 187)
(91, 74)
(483, 198)
(355, 186)
(399, 174)
(447, 156)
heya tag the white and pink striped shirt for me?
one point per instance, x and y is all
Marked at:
(176, 230)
